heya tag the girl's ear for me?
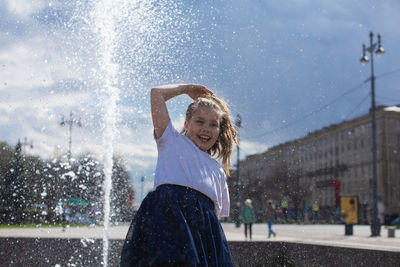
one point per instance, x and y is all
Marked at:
(185, 126)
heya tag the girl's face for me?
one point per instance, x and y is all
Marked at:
(203, 128)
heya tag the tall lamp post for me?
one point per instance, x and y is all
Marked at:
(375, 224)
(27, 144)
(70, 123)
(141, 188)
(238, 123)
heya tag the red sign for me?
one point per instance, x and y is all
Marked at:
(336, 190)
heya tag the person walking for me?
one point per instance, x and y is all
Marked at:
(248, 217)
(66, 212)
(177, 223)
(271, 216)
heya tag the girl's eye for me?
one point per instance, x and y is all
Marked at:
(199, 122)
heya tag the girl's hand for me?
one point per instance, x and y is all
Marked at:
(196, 90)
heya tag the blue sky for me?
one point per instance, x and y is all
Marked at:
(287, 67)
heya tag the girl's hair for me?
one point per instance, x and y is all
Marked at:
(227, 136)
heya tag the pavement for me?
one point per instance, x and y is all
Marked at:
(317, 234)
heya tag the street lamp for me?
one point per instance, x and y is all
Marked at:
(142, 188)
(375, 224)
(238, 123)
(27, 144)
(70, 122)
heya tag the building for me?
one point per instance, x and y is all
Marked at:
(302, 171)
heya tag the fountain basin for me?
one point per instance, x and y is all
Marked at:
(88, 252)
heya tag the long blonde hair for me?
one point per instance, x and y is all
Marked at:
(222, 149)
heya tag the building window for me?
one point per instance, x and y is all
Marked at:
(348, 146)
(398, 140)
(355, 144)
(362, 129)
(355, 159)
(362, 143)
(350, 132)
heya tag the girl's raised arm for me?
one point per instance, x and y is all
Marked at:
(159, 96)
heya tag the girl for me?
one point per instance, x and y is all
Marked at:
(177, 223)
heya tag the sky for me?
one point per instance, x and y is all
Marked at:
(287, 67)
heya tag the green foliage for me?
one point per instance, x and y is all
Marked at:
(29, 181)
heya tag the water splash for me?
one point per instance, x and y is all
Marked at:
(124, 47)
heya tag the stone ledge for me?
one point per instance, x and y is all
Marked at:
(88, 252)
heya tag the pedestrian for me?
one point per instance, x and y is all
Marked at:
(177, 223)
(93, 215)
(271, 216)
(315, 210)
(248, 217)
(381, 210)
(66, 212)
(306, 212)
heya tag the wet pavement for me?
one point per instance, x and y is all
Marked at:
(329, 235)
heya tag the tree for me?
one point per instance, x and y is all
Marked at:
(28, 181)
(6, 157)
(290, 185)
(13, 194)
(121, 192)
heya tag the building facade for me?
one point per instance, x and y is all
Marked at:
(302, 171)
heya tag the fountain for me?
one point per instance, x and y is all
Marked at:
(113, 51)
(131, 39)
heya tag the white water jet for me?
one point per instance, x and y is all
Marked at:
(104, 22)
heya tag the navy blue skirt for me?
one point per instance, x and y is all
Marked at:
(176, 226)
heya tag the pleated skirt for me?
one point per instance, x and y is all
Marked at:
(176, 226)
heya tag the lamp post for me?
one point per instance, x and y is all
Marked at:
(70, 122)
(375, 223)
(238, 123)
(27, 144)
(141, 188)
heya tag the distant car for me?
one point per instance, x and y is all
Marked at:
(396, 221)
(42, 208)
(390, 217)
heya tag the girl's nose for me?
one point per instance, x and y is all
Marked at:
(205, 129)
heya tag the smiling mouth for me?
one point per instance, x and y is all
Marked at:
(204, 138)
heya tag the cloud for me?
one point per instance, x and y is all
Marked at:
(250, 148)
(25, 8)
(23, 66)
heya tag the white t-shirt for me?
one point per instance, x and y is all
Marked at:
(181, 162)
